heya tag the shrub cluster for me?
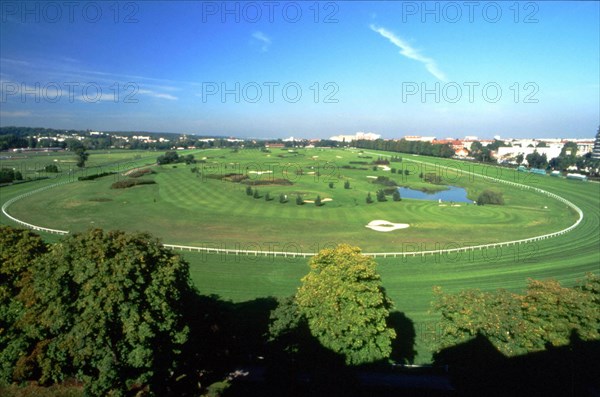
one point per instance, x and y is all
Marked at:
(490, 197)
(385, 180)
(95, 176)
(131, 182)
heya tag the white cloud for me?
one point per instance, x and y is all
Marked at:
(15, 114)
(409, 52)
(158, 95)
(263, 39)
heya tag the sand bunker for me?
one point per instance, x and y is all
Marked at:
(384, 167)
(385, 226)
(338, 157)
(322, 200)
(371, 177)
(260, 172)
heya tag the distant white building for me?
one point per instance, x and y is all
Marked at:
(368, 136)
(510, 152)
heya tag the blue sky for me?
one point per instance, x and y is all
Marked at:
(304, 69)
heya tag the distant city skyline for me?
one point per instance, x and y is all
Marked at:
(304, 69)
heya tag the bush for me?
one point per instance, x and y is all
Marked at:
(347, 185)
(318, 202)
(490, 197)
(396, 196)
(386, 181)
(299, 200)
(256, 194)
(249, 191)
(130, 183)
(283, 198)
(369, 198)
(95, 176)
(381, 196)
(51, 168)
(432, 178)
(331, 185)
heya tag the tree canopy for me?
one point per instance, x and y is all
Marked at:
(546, 314)
(345, 305)
(107, 308)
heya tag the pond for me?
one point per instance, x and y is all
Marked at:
(453, 193)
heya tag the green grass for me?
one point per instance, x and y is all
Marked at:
(191, 210)
(188, 209)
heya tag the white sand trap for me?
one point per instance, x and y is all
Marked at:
(384, 167)
(456, 205)
(385, 226)
(443, 205)
(338, 157)
(322, 200)
(371, 177)
(260, 172)
(310, 173)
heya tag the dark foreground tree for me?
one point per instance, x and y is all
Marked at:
(345, 305)
(108, 308)
(545, 315)
(18, 250)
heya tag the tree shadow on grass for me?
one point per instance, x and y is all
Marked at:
(477, 368)
(403, 346)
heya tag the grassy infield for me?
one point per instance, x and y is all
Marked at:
(184, 208)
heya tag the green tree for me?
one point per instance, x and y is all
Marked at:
(318, 202)
(347, 185)
(346, 306)
(381, 195)
(546, 314)
(82, 157)
(537, 160)
(369, 198)
(19, 249)
(299, 200)
(396, 195)
(51, 168)
(331, 185)
(256, 195)
(283, 198)
(489, 196)
(268, 197)
(519, 158)
(249, 191)
(108, 307)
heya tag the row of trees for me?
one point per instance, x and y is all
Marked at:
(404, 146)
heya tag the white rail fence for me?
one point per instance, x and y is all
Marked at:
(284, 254)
